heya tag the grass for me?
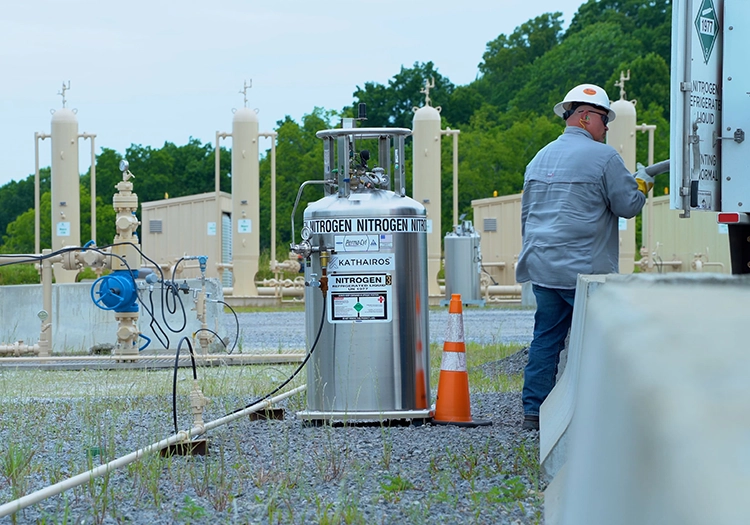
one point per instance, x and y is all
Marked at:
(477, 355)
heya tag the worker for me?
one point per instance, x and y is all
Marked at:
(575, 189)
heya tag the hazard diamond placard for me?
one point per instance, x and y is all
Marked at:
(707, 25)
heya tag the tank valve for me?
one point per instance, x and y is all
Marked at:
(313, 282)
(304, 249)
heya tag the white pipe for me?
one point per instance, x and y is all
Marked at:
(80, 479)
(37, 207)
(217, 189)
(275, 358)
(650, 229)
(675, 263)
(455, 133)
(19, 348)
(497, 289)
(92, 136)
(496, 264)
(272, 135)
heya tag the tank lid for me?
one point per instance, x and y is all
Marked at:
(245, 115)
(363, 133)
(64, 115)
(623, 107)
(427, 113)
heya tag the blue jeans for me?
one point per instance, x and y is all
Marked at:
(552, 320)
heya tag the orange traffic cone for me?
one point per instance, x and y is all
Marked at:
(453, 405)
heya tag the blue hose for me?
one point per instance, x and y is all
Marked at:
(148, 342)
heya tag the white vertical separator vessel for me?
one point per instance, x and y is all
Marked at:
(245, 203)
(65, 185)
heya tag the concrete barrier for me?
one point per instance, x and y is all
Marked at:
(557, 410)
(77, 324)
(659, 430)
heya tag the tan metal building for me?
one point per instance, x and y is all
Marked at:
(684, 245)
(173, 228)
(678, 245)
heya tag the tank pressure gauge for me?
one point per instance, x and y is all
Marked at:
(124, 165)
(42, 315)
(305, 233)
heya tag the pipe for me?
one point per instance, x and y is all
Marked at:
(650, 229)
(497, 289)
(45, 337)
(18, 348)
(270, 358)
(272, 135)
(685, 89)
(80, 479)
(454, 133)
(217, 189)
(714, 263)
(92, 136)
(495, 264)
(676, 263)
(37, 227)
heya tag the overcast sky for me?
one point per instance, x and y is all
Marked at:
(146, 72)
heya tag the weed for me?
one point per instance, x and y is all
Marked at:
(331, 458)
(526, 462)
(190, 511)
(16, 466)
(393, 486)
(385, 433)
(465, 463)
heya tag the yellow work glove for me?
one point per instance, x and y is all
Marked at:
(644, 180)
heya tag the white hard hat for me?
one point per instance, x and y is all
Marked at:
(589, 94)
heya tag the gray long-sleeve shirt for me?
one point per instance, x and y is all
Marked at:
(575, 189)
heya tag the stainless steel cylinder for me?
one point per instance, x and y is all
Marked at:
(372, 353)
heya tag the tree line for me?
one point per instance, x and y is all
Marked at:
(505, 117)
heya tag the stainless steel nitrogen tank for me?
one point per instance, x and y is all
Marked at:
(371, 358)
(463, 264)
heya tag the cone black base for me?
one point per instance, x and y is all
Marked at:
(467, 424)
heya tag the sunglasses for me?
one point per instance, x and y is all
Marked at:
(605, 117)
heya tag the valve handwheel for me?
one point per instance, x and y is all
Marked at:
(109, 294)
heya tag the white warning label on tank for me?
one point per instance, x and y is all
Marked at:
(361, 262)
(364, 307)
(360, 298)
(368, 225)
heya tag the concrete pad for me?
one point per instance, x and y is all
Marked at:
(661, 432)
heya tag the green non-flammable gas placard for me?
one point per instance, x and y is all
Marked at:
(707, 25)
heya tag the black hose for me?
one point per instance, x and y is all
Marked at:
(297, 371)
(174, 379)
(154, 324)
(211, 332)
(237, 322)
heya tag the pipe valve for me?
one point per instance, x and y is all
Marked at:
(197, 403)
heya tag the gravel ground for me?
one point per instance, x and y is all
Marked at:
(284, 471)
(284, 331)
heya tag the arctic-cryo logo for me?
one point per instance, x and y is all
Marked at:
(357, 243)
